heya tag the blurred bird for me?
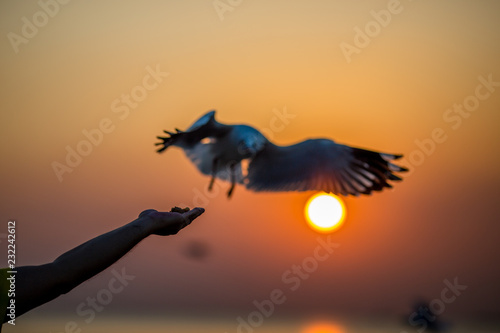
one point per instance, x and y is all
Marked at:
(241, 154)
(197, 250)
(427, 319)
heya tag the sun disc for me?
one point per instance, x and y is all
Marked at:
(323, 327)
(325, 212)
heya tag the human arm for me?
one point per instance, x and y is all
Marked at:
(36, 285)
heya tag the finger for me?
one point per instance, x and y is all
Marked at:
(193, 213)
(146, 212)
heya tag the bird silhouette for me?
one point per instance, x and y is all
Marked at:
(241, 154)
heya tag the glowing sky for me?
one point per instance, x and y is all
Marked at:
(423, 81)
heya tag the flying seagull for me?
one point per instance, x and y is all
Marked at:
(241, 154)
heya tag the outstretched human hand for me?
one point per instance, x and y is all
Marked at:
(169, 223)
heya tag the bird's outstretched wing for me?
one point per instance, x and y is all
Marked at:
(323, 165)
(205, 127)
(198, 143)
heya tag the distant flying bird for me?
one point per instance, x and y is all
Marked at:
(427, 319)
(196, 250)
(241, 154)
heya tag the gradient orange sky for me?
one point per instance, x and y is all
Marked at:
(263, 58)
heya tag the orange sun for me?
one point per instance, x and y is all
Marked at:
(325, 212)
(322, 327)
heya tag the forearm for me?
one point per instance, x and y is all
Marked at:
(95, 255)
(36, 285)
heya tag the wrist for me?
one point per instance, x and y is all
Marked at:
(143, 226)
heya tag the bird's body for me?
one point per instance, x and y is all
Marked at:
(241, 154)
